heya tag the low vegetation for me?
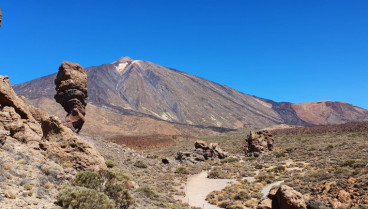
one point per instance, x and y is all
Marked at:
(95, 190)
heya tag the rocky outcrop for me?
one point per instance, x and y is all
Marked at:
(202, 152)
(0, 17)
(61, 144)
(71, 93)
(31, 126)
(16, 118)
(283, 197)
(258, 142)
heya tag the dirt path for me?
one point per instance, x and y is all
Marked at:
(268, 187)
(199, 186)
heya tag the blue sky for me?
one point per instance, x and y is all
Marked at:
(294, 51)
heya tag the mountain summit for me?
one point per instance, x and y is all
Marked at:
(142, 88)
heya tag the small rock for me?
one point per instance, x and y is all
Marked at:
(344, 196)
(265, 204)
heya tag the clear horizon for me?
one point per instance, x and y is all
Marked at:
(284, 51)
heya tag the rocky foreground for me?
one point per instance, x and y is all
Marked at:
(38, 153)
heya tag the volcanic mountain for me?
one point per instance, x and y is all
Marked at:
(146, 90)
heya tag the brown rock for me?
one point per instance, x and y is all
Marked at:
(71, 93)
(218, 151)
(202, 152)
(131, 185)
(258, 142)
(0, 17)
(201, 145)
(335, 203)
(344, 196)
(265, 204)
(351, 180)
(327, 187)
(273, 191)
(288, 198)
(15, 115)
(61, 144)
(9, 98)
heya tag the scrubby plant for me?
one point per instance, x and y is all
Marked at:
(101, 185)
(265, 177)
(109, 163)
(348, 162)
(122, 198)
(27, 187)
(22, 161)
(278, 169)
(181, 170)
(140, 164)
(147, 191)
(230, 160)
(81, 197)
(329, 147)
(280, 154)
(250, 158)
(216, 174)
(87, 179)
(123, 177)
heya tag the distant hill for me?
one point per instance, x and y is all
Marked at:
(144, 89)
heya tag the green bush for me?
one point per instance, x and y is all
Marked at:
(87, 179)
(181, 170)
(329, 147)
(80, 197)
(22, 161)
(250, 158)
(278, 169)
(349, 163)
(230, 160)
(140, 164)
(105, 183)
(147, 191)
(280, 154)
(123, 177)
(109, 163)
(266, 178)
(121, 196)
(216, 173)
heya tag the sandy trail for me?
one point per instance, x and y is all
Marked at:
(199, 186)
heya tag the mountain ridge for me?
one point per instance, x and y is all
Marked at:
(145, 89)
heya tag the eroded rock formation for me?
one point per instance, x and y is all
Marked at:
(35, 128)
(283, 197)
(258, 142)
(202, 152)
(71, 93)
(0, 17)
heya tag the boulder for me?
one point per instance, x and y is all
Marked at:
(344, 196)
(201, 145)
(265, 204)
(258, 142)
(288, 198)
(202, 152)
(283, 197)
(71, 93)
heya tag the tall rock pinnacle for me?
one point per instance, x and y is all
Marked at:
(0, 18)
(71, 93)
